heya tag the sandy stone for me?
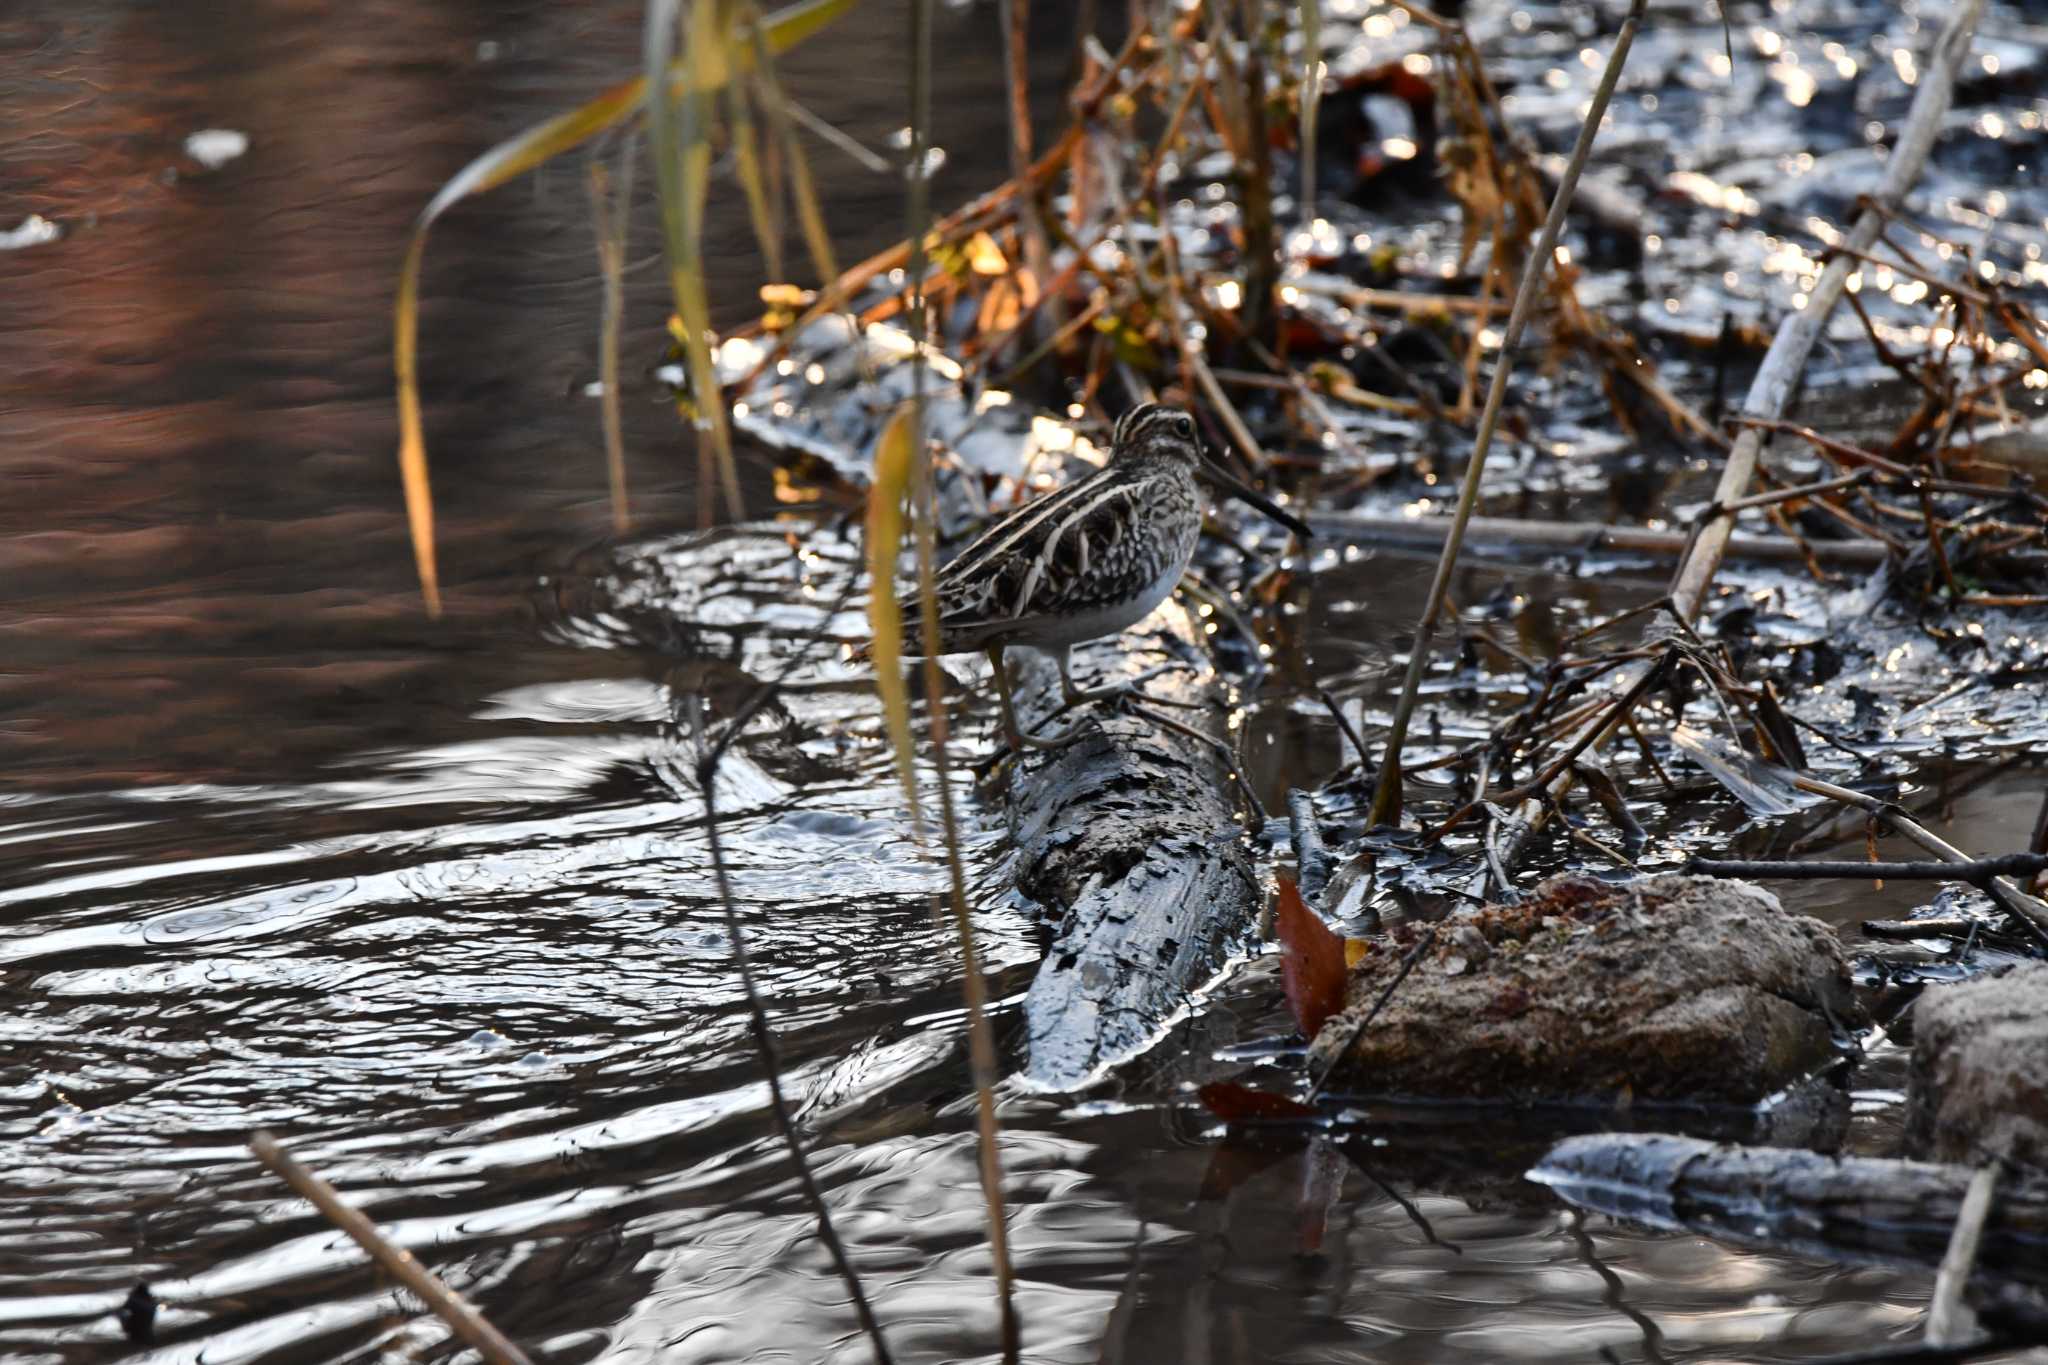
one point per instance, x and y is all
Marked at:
(1671, 988)
(1979, 1085)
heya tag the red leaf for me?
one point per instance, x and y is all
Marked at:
(1234, 1103)
(1311, 961)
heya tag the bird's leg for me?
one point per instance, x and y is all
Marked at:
(1075, 696)
(1014, 735)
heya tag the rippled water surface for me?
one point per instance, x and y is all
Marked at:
(433, 902)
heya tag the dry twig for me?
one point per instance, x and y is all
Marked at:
(460, 1315)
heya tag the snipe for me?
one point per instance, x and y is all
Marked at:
(1087, 561)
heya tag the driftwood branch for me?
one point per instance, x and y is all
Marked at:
(1976, 871)
(460, 1315)
(1850, 1208)
(1561, 537)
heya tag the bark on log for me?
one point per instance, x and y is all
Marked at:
(1857, 1208)
(1129, 839)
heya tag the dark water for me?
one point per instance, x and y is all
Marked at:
(275, 851)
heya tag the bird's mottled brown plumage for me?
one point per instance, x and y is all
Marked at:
(1086, 561)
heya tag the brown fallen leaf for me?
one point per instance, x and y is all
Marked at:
(1311, 961)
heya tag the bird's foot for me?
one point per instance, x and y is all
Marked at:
(1018, 740)
(1076, 696)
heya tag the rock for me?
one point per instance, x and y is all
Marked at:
(1979, 1083)
(1671, 988)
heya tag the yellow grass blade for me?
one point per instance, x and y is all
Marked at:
(746, 147)
(679, 131)
(809, 215)
(780, 31)
(895, 464)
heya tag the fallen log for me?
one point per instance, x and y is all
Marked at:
(1845, 1208)
(1129, 840)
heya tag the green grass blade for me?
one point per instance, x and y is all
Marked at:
(895, 464)
(780, 31)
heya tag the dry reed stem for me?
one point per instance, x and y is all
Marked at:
(1949, 1320)
(610, 226)
(771, 1068)
(1386, 806)
(981, 1048)
(1571, 537)
(460, 1315)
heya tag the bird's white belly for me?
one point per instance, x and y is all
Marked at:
(1112, 617)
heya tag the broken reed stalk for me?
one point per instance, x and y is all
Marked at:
(1770, 394)
(1386, 804)
(981, 1047)
(460, 1315)
(1949, 1320)
(610, 224)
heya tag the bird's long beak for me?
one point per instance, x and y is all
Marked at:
(1254, 498)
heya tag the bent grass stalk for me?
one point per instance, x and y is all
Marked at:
(680, 132)
(764, 1045)
(810, 213)
(762, 209)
